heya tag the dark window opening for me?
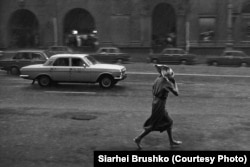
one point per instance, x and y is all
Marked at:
(163, 26)
(207, 28)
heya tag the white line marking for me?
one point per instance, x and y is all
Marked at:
(137, 83)
(62, 92)
(201, 75)
(142, 73)
(15, 79)
(215, 75)
(151, 84)
(17, 86)
(154, 73)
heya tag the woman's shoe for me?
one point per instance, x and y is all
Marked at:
(175, 143)
(138, 143)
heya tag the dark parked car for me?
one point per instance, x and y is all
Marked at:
(111, 55)
(13, 61)
(173, 56)
(230, 58)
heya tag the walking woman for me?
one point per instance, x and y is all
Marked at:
(160, 119)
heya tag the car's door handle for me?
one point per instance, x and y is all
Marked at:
(52, 69)
(72, 70)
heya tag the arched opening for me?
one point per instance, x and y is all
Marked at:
(246, 22)
(79, 28)
(246, 9)
(23, 29)
(164, 26)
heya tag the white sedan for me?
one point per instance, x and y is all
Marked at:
(80, 68)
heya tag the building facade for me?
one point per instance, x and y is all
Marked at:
(189, 24)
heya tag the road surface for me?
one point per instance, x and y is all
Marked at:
(62, 125)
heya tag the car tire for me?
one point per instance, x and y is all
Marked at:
(183, 62)
(119, 61)
(243, 64)
(44, 81)
(106, 82)
(14, 71)
(155, 61)
(215, 63)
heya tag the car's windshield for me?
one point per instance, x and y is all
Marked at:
(90, 60)
(236, 54)
(49, 62)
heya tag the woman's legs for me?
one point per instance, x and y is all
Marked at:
(144, 133)
(138, 139)
(169, 130)
(171, 140)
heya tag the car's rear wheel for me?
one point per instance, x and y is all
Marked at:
(106, 81)
(215, 63)
(44, 81)
(155, 61)
(14, 71)
(243, 64)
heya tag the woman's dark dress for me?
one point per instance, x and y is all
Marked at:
(159, 119)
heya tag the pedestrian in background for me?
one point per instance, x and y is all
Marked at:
(160, 119)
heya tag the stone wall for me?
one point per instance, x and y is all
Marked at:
(128, 23)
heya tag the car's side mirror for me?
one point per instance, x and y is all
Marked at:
(84, 65)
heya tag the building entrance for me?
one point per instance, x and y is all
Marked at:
(80, 29)
(163, 26)
(23, 29)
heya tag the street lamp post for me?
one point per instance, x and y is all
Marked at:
(187, 36)
(55, 25)
(187, 30)
(229, 44)
(55, 30)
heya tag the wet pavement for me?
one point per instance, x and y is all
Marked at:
(62, 125)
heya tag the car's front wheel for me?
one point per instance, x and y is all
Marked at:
(119, 61)
(44, 81)
(106, 81)
(243, 64)
(14, 71)
(183, 62)
(215, 63)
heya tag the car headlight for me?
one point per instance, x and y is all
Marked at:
(123, 70)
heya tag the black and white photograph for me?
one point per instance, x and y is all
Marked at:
(137, 76)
